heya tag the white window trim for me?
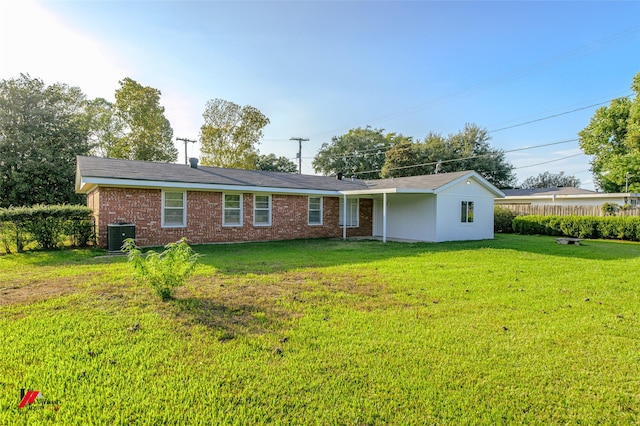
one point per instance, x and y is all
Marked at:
(254, 210)
(466, 221)
(341, 213)
(224, 196)
(309, 210)
(184, 210)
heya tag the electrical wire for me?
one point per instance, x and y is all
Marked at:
(431, 163)
(500, 129)
(554, 115)
(581, 51)
(550, 161)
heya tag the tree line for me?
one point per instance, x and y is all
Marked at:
(373, 154)
(44, 127)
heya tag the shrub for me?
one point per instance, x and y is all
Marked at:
(165, 271)
(578, 226)
(47, 225)
(80, 231)
(609, 209)
(503, 219)
(530, 225)
(608, 227)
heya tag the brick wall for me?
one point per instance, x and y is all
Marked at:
(142, 207)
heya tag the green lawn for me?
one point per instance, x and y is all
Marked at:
(517, 330)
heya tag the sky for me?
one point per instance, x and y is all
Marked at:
(531, 73)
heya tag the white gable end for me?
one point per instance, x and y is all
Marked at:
(454, 221)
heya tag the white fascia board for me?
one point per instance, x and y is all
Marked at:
(368, 191)
(132, 183)
(83, 187)
(479, 179)
(387, 191)
(453, 182)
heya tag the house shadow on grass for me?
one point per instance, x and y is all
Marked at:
(234, 306)
(255, 304)
(227, 321)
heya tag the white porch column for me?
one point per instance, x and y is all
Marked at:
(344, 217)
(384, 217)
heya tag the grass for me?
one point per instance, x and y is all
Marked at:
(509, 331)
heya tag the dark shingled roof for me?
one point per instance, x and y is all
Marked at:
(109, 168)
(568, 190)
(145, 171)
(417, 182)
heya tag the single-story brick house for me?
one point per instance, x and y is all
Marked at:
(166, 202)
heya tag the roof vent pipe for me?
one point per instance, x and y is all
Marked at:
(339, 176)
(193, 163)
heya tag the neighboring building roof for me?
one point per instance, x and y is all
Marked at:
(564, 195)
(567, 190)
(94, 171)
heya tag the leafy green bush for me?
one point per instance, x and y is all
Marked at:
(608, 227)
(47, 231)
(577, 226)
(165, 271)
(531, 225)
(80, 231)
(47, 225)
(503, 219)
(609, 209)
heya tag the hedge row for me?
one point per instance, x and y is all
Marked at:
(47, 225)
(503, 220)
(607, 227)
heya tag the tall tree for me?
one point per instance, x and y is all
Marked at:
(409, 159)
(230, 134)
(148, 134)
(550, 180)
(42, 130)
(468, 149)
(271, 163)
(106, 128)
(612, 137)
(360, 151)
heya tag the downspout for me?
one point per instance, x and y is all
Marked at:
(384, 217)
(344, 216)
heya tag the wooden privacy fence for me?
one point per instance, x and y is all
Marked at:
(548, 210)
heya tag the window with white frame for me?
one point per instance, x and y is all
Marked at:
(232, 210)
(466, 212)
(174, 209)
(352, 212)
(262, 210)
(315, 210)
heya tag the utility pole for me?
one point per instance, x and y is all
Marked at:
(185, 140)
(300, 140)
(626, 186)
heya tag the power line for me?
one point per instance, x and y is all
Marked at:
(431, 163)
(357, 153)
(553, 116)
(541, 145)
(581, 51)
(550, 161)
